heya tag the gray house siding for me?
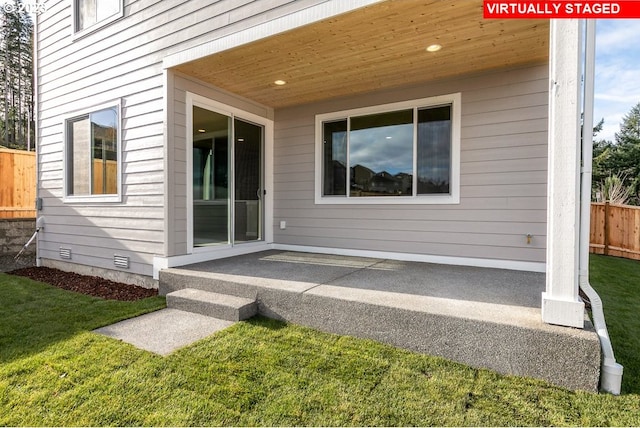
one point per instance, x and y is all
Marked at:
(122, 61)
(503, 177)
(503, 146)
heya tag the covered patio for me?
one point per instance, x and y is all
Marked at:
(516, 169)
(478, 316)
(379, 47)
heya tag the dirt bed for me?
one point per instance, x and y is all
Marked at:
(91, 285)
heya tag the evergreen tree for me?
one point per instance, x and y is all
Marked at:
(602, 150)
(619, 161)
(627, 154)
(16, 77)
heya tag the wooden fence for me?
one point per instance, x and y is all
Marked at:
(615, 230)
(17, 183)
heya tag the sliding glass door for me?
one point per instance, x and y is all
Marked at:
(227, 160)
(248, 187)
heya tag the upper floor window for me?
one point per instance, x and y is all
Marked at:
(91, 13)
(406, 152)
(92, 155)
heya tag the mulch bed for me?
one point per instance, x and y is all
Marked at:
(91, 285)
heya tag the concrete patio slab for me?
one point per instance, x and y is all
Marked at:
(164, 331)
(467, 283)
(483, 317)
(300, 272)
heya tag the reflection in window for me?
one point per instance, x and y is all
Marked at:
(92, 147)
(90, 12)
(335, 157)
(434, 150)
(381, 154)
(398, 153)
(211, 165)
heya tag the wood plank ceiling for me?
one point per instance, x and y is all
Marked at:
(376, 47)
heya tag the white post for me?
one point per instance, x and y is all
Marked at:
(560, 303)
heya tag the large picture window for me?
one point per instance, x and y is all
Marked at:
(90, 13)
(92, 152)
(396, 153)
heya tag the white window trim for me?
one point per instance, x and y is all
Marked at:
(117, 104)
(452, 198)
(78, 33)
(212, 252)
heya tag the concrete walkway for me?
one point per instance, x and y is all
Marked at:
(164, 331)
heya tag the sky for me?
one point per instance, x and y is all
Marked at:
(617, 79)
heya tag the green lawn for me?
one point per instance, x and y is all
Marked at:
(617, 281)
(54, 371)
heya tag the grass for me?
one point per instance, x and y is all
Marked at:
(617, 281)
(55, 371)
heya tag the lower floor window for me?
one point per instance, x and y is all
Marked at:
(408, 150)
(92, 153)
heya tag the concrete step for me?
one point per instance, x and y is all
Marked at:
(176, 279)
(222, 306)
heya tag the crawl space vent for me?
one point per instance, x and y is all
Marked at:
(65, 253)
(121, 261)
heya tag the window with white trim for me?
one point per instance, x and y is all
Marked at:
(92, 154)
(94, 13)
(406, 152)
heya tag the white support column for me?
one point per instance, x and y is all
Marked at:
(560, 303)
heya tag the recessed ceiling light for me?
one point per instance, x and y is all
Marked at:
(388, 137)
(280, 82)
(202, 131)
(434, 48)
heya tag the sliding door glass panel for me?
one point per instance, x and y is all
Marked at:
(211, 139)
(248, 194)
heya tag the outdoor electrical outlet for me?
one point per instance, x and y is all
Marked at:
(283, 225)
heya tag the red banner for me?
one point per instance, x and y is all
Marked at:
(518, 9)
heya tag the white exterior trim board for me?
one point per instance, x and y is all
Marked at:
(425, 258)
(561, 303)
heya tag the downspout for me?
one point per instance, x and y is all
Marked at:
(610, 370)
(36, 130)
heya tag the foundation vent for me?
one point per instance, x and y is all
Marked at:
(65, 253)
(121, 261)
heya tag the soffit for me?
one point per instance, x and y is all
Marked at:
(376, 47)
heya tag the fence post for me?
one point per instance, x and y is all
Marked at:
(607, 212)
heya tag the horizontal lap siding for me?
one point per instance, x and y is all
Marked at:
(503, 177)
(123, 61)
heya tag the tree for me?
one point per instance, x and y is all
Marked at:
(627, 154)
(619, 161)
(16, 77)
(602, 149)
